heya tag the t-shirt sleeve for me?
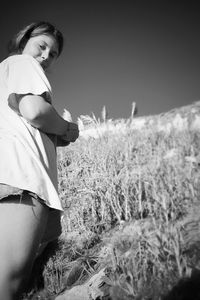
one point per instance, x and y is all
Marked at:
(26, 77)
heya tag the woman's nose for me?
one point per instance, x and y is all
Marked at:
(45, 55)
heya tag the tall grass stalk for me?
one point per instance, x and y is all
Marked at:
(124, 194)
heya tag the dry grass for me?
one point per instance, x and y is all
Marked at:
(123, 196)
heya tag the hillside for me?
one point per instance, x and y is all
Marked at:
(179, 118)
(131, 201)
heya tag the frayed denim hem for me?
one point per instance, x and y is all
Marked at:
(8, 190)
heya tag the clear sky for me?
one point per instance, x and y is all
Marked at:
(117, 52)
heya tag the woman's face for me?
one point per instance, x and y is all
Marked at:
(43, 48)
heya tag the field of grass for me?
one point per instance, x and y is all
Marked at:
(125, 197)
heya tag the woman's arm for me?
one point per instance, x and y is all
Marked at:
(42, 115)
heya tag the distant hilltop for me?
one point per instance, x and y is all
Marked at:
(182, 118)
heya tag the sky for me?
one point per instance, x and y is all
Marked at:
(116, 53)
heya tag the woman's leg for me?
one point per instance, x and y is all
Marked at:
(22, 225)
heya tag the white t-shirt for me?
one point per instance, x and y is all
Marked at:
(27, 155)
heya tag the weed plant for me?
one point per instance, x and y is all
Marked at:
(123, 196)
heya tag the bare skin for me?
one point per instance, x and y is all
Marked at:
(24, 223)
(44, 117)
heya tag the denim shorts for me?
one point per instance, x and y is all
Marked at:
(8, 190)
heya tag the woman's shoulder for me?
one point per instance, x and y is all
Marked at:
(21, 59)
(23, 69)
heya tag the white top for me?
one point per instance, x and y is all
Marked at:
(27, 155)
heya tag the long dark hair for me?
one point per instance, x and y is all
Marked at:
(18, 42)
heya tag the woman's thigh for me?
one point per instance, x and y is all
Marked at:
(22, 225)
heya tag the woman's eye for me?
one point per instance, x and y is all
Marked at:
(42, 47)
(53, 55)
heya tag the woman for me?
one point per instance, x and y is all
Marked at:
(30, 130)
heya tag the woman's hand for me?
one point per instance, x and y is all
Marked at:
(61, 143)
(72, 133)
